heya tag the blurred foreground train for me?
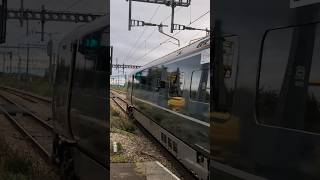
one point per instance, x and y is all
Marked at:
(170, 98)
(80, 103)
(266, 117)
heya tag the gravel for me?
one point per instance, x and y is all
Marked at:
(138, 147)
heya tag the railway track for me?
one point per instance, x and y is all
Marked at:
(27, 95)
(123, 104)
(37, 130)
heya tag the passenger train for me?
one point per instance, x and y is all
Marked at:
(170, 98)
(265, 105)
(80, 103)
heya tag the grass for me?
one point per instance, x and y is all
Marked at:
(122, 126)
(19, 166)
(118, 122)
(120, 88)
(119, 158)
(36, 85)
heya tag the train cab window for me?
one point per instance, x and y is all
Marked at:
(92, 51)
(200, 86)
(142, 80)
(289, 82)
(143, 85)
(102, 60)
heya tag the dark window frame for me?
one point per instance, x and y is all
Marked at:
(195, 100)
(184, 77)
(256, 93)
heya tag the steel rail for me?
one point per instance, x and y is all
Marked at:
(23, 94)
(118, 91)
(35, 143)
(124, 109)
(42, 122)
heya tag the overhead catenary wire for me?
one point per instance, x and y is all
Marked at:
(140, 58)
(73, 4)
(154, 30)
(44, 2)
(141, 34)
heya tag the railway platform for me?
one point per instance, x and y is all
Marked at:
(152, 170)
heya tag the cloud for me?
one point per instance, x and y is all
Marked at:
(125, 47)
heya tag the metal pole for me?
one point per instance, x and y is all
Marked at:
(27, 27)
(4, 62)
(50, 60)
(21, 11)
(4, 12)
(117, 65)
(27, 72)
(19, 68)
(10, 62)
(42, 22)
(172, 15)
(111, 59)
(50, 68)
(130, 7)
(123, 69)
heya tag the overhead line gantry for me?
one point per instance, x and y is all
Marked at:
(172, 3)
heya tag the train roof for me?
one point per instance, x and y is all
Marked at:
(182, 52)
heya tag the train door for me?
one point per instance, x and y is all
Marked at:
(89, 106)
(224, 128)
(288, 99)
(62, 87)
(272, 130)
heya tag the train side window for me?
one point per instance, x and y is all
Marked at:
(208, 89)
(169, 143)
(163, 138)
(200, 86)
(162, 87)
(174, 146)
(289, 82)
(176, 82)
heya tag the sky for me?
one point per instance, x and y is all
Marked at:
(142, 44)
(17, 35)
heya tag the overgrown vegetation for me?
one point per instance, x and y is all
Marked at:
(20, 166)
(120, 88)
(123, 126)
(35, 84)
(118, 122)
